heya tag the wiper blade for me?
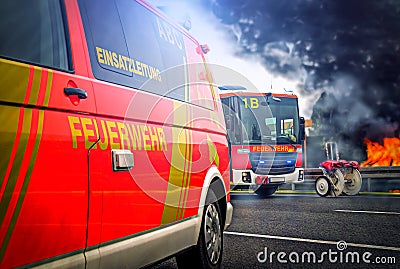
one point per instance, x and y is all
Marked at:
(287, 138)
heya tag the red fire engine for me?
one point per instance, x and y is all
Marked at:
(265, 135)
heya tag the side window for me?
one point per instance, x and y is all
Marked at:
(124, 46)
(131, 46)
(287, 126)
(107, 47)
(157, 49)
(33, 31)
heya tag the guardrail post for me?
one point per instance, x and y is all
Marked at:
(369, 185)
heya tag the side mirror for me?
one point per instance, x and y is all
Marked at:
(302, 131)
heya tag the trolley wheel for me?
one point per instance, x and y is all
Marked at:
(322, 186)
(337, 181)
(353, 182)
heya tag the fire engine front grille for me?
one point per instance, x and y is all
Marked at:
(273, 163)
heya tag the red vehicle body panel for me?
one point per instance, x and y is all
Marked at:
(241, 161)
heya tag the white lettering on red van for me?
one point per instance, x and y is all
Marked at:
(169, 34)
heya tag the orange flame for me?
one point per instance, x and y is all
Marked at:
(386, 155)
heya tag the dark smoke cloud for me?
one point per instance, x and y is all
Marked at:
(349, 49)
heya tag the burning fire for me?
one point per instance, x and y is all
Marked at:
(386, 155)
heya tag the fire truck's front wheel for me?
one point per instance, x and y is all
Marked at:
(208, 251)
(266, 191)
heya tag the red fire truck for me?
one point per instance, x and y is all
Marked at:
(113, 154)
(265, 135)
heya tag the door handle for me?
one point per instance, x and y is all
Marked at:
(82, 94)
(122, 160)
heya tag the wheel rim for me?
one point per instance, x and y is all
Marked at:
(212, 234)
(322, 186)
(353, 183)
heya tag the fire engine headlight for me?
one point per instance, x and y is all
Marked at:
(301, 175)
(246, 177)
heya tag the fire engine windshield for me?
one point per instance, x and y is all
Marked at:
(263, 120)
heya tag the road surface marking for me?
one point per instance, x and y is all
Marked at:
(367, 212)
(311, 240)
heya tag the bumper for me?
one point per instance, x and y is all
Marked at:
(296, 177)
(228, 217)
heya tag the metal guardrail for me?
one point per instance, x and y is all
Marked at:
(380, 172)
(383, 175)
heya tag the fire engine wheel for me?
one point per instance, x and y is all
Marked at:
(322, 186)
(265, 191)
(337, 181)
(353, 182)
(208, 251)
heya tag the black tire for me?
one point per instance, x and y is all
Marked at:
(266, 191)
(323, 186)
(208, 252)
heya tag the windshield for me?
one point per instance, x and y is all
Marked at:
(256, 122)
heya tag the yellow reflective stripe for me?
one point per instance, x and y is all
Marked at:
(25, 184)
(184, 179)
(35, 86)
(14, 81)
(48, 88)
(8, 130)
(26, 115)
(212, 149)
(175, 178)
(180, 171)
(189, 158)
(13, 177)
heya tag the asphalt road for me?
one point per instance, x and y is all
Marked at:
(304, 231)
